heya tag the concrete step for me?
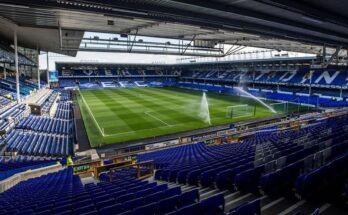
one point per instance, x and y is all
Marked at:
(238, 200)
(277, 206)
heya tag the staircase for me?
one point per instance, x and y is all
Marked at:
(269, 206)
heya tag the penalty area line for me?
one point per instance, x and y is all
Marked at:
(150, 115)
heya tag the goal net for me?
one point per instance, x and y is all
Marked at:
(281, 107)
(238, 111)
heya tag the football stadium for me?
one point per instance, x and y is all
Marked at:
(173, 107)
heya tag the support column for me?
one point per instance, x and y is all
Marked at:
(310, 82)
(4, 71)
(47, 70)
(16, 63)
(324, 54)
(38, 68)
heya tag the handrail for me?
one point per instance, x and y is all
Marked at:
(149, 164)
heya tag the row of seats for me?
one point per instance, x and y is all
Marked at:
(326, 182)
(64, 111)
(46, 106)
(41, 135)
(12, 115)
(271, 161)
(11, 167)
(43, 144)
(4, 102)
(63, 193)
(46, 124)
(16, 112)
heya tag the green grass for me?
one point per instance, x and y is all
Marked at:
(119, 115)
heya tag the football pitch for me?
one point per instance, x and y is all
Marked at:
(118, 115)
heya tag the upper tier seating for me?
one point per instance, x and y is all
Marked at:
(313, 100)
(24, 87)
(301, 77)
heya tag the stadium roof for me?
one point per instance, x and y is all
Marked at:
(301, 25)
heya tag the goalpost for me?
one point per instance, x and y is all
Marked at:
(238, 111)
(282, 107)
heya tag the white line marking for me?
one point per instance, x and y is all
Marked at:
(272, 203)
(292, 207)
(150, 115)
(100, 130)
(128, 132)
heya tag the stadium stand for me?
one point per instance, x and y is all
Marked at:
(13, 166)
(229, 134)
(267, 164)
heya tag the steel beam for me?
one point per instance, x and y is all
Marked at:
(333, 56)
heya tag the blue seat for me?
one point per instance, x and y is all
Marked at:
(62, 208)
(67, 212)
(191, 209)
(84, 209)
(105, 203)
(193, 176)
(93, 212)
(149, 209)
(161, 187)
(213, 205)
(155, 197)
(248, 180)
(145, 192)
(131, 204)
(125, 197)
(25, 212)
(126, 213)
(112, 209)
(189, 197)
(167, 205)
(43, 212)
(172, 192)
(252, 207)
(158, 174)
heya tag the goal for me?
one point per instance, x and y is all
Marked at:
(281, 107)
(238, 111)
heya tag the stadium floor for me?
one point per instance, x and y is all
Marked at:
(120, 115)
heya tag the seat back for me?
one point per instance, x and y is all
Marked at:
(213, 205)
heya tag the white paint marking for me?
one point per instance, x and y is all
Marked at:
(150, 115)
(100, 130)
